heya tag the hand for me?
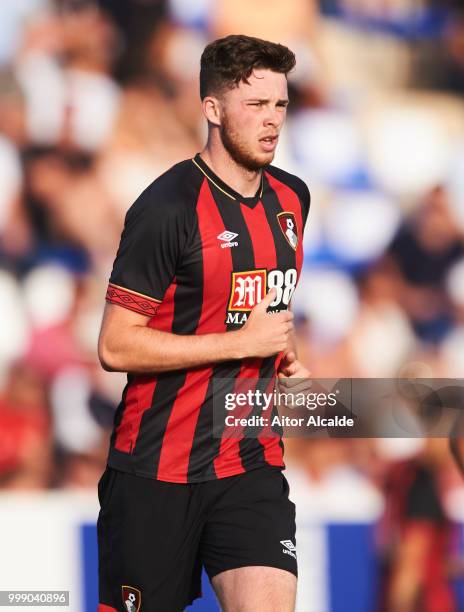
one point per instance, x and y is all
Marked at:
(290, 367)
(266, 334)
(292, 375)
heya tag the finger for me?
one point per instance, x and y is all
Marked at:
(285, 332)
(290, 384)
(267, 299)
(289, 357)
(295, 384)
(290, 370)
(285, 315)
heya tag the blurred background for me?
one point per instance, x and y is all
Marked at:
(99, 98)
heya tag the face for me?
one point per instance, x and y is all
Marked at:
(251, 117)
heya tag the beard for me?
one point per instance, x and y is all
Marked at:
(239, 151)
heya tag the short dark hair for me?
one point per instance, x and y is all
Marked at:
(227, 61)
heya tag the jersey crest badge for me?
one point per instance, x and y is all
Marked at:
(287, 224)
(131, 598)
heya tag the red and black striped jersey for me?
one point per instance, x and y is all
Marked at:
(196, 256)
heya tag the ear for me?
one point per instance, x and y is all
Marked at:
(212, 110)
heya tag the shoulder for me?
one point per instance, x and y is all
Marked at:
(174, 193)
(294, 183)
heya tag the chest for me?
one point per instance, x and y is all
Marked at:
(239, 255)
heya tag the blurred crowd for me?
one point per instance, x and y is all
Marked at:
(99, 98)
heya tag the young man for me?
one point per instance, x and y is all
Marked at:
(207, 250)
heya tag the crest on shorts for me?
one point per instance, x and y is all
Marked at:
(131, 598)
(287, 224)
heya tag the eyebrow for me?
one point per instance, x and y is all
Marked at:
(282, 101)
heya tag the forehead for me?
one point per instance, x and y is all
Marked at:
(262, 83)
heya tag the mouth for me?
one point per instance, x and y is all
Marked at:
(268, 143)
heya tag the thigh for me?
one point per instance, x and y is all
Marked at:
(148, 536)
(247, 589)
(251, 525)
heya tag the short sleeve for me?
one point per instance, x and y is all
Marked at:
(154, 235)
(305, 199)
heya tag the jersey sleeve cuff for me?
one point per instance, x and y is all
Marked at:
(132, 300)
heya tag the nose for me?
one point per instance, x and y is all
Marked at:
(273, 117)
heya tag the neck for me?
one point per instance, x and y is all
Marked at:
(242, 180)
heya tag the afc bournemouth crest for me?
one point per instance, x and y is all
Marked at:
(132, 598)
(287, 224)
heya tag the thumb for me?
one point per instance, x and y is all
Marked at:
(288, 369)
(287, 366)
(267, 299)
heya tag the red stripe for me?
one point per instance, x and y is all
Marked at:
(261, 235)
(270, 440)
(178, 437)
(165, 314)
(264, 257)
(217, 265)
(139, 395)
(290, 203)
(138, 399)
(105, 608)
(228, 459)
(124, 438)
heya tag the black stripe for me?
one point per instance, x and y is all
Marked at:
(206, 441)
(188, 300)
(251, 449)
(120, 411)
(206, 447)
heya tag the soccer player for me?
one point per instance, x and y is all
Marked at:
(198, 302)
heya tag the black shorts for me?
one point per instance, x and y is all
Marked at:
(154, 537)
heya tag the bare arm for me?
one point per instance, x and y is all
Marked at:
(456, 442)
(409, 569)
(127, 344)
(290, 366)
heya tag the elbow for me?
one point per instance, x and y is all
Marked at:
(106, 362)
(108, 359)
(107, 366)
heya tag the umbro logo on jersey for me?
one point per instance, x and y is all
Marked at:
(227, 238)
(132, 598)
(290, 548)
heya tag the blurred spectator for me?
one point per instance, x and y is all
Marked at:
(416, 535)
(25, 430)
(424, 250)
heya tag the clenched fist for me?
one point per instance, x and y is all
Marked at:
(265, 334)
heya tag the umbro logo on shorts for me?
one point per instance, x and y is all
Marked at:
(290, 548)
(227, 238)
